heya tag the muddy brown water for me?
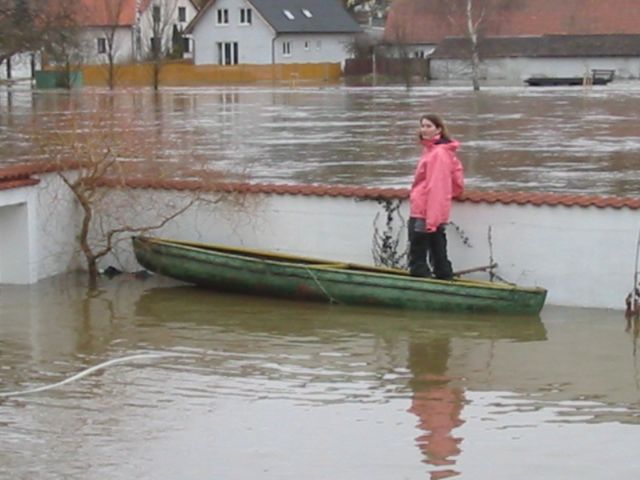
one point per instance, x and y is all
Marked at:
(237, 387)
(570, 140)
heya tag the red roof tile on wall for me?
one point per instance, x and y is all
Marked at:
(427, 21)
(21, 175)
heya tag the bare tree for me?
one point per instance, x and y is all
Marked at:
(114, 10)
(162, 22)
(472, 17)
(99, 156)
(400, 46)
(29, 26)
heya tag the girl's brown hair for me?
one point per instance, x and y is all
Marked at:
(439, 123)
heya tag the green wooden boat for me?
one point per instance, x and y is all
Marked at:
(272, 274)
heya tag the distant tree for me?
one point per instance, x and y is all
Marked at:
(30, 26)
(471, 17)
(402, 53)
(114, 9)
(161, 42)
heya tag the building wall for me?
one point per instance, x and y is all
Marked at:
(122, 45)
(518, 69)
(308, 48)
(42, 221)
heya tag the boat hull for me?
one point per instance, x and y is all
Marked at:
(230, 269)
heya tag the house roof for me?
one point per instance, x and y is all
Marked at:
(326, 16)
(542, 46)
(430, 21)
(100, 13)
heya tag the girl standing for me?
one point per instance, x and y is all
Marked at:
(438, 179)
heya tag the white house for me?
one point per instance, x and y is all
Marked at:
(230, 32)
(128, 28)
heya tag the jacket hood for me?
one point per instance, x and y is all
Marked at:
(452, 145)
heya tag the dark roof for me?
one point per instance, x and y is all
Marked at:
(327, 16)
(543, 46)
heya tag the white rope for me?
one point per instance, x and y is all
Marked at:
(315, 279)
(90, 370)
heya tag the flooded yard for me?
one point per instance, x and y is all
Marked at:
(231, 387)
(155, 379)
(557, 139)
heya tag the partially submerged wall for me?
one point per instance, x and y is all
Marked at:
(581, 249)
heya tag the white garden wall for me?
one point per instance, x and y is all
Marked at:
(583, 256)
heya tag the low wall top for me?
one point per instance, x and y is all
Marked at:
(21, 175)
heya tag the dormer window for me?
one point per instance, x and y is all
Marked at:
(306, 13)
(288, 14)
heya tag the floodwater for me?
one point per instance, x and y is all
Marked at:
(222, 386)
(570, 139)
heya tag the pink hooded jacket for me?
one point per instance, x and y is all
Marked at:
(438, 179)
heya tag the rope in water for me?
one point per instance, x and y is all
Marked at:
(90, 370)
(315, 279)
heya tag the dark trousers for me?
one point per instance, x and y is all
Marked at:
(426, 250)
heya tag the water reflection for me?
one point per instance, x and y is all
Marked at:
(285, 390)
(565, 140)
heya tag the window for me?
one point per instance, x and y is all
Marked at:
(227, 53)
(182, 14)
(306, 13)
(222, 16)
(288, 14)
(306, 45)
(245, 16)
(186, 45)
(155, 45)
(155, 14)
(102, 45)
(286, 49)
(318, 45)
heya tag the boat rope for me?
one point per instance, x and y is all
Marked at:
(90, 370)
(315, 279)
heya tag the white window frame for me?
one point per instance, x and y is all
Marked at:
(288, 14)
(286, 49)
(307, 13)
(306, 44)
(182, 14)
(228, 53)
(222, 16)
(246, 16)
